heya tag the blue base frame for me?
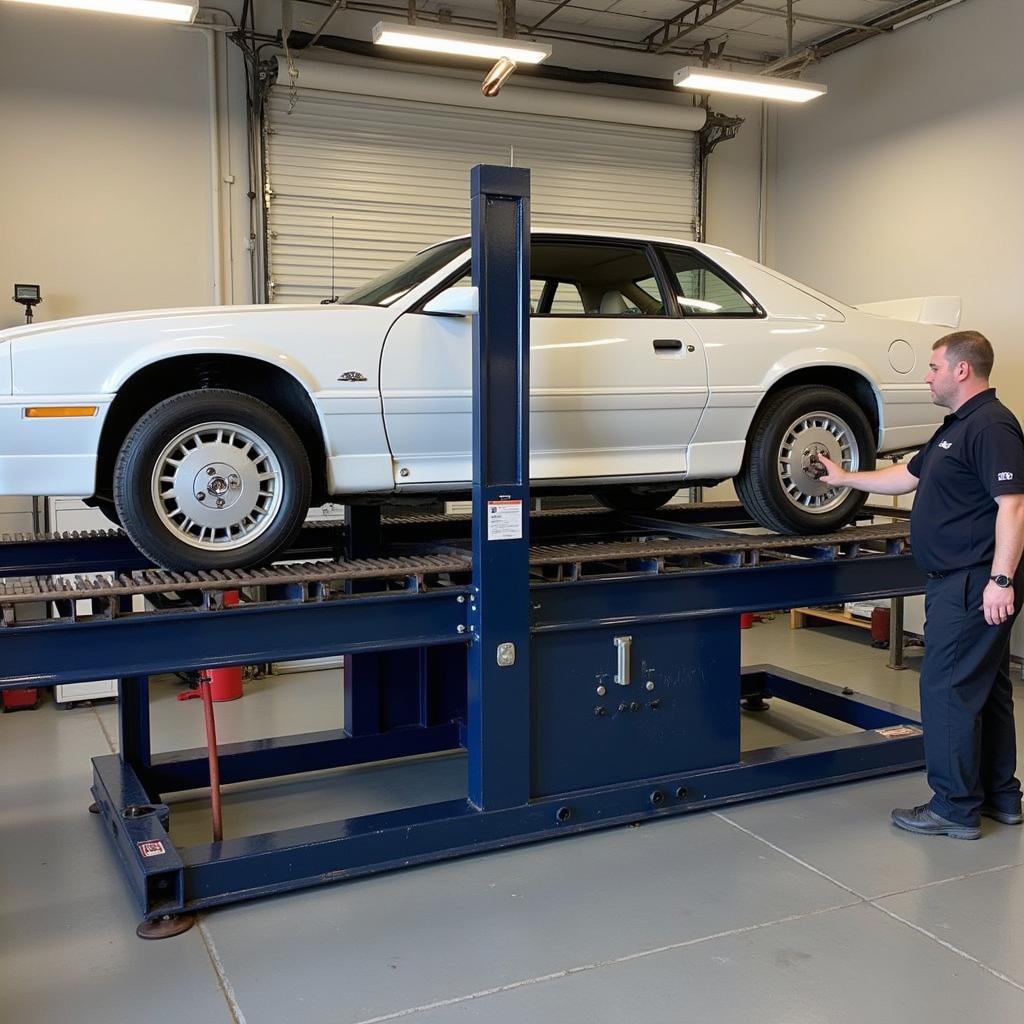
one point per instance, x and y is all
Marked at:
(182, 880)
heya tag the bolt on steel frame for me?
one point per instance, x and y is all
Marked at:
(591, 684)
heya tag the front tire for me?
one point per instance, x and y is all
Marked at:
(775, 484)
(212, 479)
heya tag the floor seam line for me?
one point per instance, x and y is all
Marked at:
(944, 881)
(792, 856)
(227, 990)
(569, 972)
(103, 729)
(948, 945)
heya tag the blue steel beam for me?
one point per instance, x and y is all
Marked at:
(617, 600)
(147, 644)
(152, 643)
(835, 702)
(75, 554)
(291, 755)
(72, 555)
(151, 862)
(498, 696)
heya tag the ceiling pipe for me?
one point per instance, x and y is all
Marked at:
(897, 19)
(552, 72)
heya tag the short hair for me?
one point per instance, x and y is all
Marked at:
(971, 347)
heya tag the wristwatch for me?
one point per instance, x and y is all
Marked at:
(1001, 581)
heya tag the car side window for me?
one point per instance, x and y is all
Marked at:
(702, 290)
(605, 279)
(562, 298)
(547, 297)
(576, 278)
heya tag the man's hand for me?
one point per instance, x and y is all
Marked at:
(997, 603)
(834, 474)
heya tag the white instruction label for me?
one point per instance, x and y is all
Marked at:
(898, 732)
(505, 519)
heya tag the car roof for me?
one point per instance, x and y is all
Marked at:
(618, 235)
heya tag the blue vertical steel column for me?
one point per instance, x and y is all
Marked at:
(361, 672)
(133, 723)
(498, 726)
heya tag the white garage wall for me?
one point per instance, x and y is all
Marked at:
(733, 183)
(105, 179)
(906, 179)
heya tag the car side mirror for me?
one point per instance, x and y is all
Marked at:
(454, 302)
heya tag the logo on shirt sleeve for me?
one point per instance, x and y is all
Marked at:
(945, 444)
(1004, 476)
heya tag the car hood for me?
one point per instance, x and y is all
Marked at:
(94, 355)
(140, 315)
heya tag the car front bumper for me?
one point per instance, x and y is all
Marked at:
(50, 456)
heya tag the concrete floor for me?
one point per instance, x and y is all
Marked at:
(803, 908)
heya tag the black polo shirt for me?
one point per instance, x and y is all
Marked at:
(975, 456)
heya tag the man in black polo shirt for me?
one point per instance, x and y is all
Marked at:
(967, 533)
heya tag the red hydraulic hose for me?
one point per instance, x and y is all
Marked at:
(211, 747)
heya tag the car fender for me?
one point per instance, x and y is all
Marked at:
(824, 358)
(156, 352)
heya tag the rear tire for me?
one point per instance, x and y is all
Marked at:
(212, 479)
(790, 426)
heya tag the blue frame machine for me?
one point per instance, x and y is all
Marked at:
(583, 699)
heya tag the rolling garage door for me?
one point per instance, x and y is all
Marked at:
(393, 170)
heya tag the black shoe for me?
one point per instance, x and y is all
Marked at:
(926, 822)
(1006, 817)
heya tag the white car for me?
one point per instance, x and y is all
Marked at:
(654, 364)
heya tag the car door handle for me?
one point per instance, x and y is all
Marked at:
(669, 345)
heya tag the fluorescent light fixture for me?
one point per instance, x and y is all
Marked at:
(162, 10)
(710, 80)
(463, 44)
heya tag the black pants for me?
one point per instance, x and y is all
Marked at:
(970, 745)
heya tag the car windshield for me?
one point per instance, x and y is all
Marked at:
(391, 286)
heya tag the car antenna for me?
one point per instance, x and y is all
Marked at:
(333, 298)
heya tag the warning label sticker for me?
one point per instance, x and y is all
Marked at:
(154, 848)
(897, 732)
(505, 519)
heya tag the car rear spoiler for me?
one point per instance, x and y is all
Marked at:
(941, 310)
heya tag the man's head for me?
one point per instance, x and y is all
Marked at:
(959, 368)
